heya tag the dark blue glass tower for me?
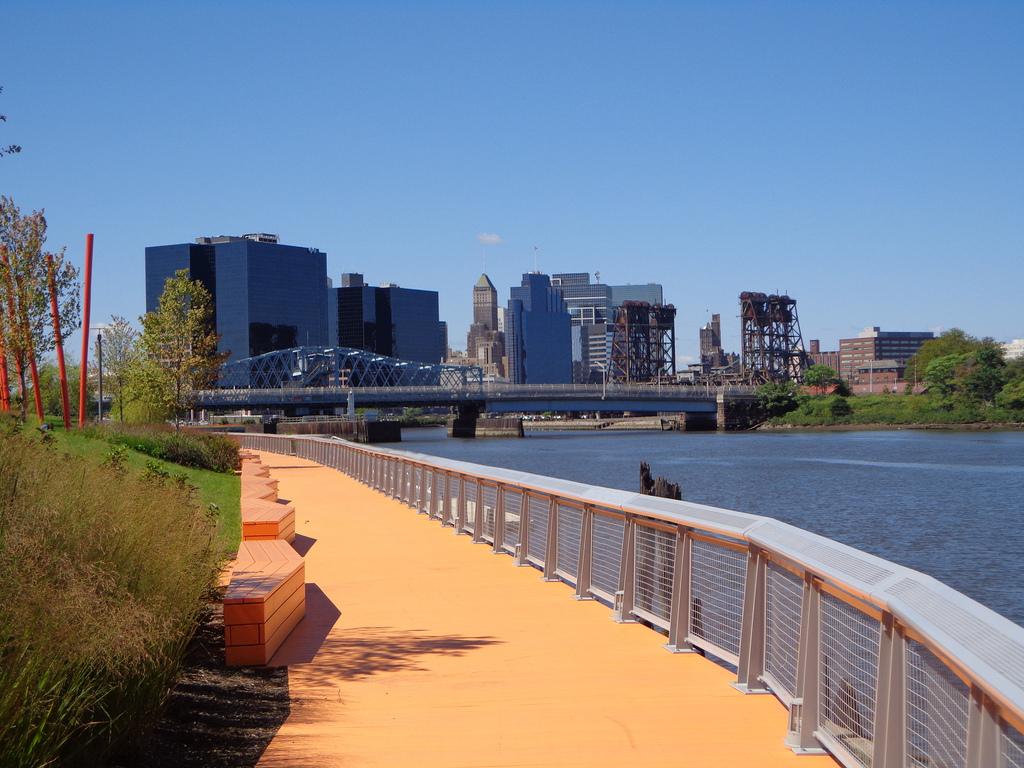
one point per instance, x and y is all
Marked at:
(266, 296)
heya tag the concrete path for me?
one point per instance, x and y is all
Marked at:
(420, 648)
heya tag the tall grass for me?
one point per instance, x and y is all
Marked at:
(102, 576)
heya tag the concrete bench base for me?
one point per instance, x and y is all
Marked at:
(265, 599)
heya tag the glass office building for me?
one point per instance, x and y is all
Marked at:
(387, 320)
(538, 333)
(267, 296)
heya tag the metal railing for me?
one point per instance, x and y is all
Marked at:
(880, 665)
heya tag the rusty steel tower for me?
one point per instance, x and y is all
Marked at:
(643, 342)
(772, 345)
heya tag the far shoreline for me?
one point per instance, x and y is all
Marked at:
(1001, 426)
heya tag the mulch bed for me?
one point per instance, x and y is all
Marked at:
(217, 716)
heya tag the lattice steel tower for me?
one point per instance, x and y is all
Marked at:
(643, 342)
(772, 344)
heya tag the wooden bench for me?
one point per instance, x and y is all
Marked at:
(265, 599)
(259, 488)
(262, 520)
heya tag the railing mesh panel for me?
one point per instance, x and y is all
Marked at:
(782, 641)
(513, 501)
(938, 703)
(570, 527)
(454, 498)
(606, 558)
(716, 595)
(416, 495)
(470, 491)
(490, 502)
(1012, 746)
(426, 489)
(538, 529)
(439, 493)
(654, 566)
(849, 671)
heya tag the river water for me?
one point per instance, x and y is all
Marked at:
(949, 503)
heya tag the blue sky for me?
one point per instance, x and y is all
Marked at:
(867, 158)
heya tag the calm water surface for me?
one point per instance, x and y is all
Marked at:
(948, 503)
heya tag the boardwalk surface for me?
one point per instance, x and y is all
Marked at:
(420, 648)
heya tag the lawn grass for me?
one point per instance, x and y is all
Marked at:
(218, 488)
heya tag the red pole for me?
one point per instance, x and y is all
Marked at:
(5, 392)
(35, 386)
(85, 330)
(5, 384)
(60, 343)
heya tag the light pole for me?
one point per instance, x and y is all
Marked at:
(99, 370)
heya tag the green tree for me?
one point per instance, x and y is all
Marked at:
(29, 278)
(1012, 395)
(820, 377)
(944, 376)
(49, 387)
(121, 355)
(778, 398)
(951, 342)
(973, 378)
(985, 376)
(179, 348)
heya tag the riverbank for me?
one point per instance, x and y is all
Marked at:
(973, 426)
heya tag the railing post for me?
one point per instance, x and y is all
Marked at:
(583, 562)
(753, 627)
(983, 731)
(890, 732)
(805, 709)
(551, 551)
(623, 609)
(679, 623)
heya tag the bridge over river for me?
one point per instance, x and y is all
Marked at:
(704, 404)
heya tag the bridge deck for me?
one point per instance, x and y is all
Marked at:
(420, 648)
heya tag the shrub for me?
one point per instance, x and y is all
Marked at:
(189, 449)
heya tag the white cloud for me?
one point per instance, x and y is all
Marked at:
(485, 239)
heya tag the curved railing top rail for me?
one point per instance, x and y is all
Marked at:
(983, 645)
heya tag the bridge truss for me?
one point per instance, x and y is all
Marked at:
(306, 367)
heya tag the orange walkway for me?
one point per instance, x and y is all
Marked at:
(420, 648)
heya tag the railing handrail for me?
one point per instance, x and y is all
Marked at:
(982, 648)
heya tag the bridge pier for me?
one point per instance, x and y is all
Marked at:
(463, 423)
(738, 412)
(693, 421)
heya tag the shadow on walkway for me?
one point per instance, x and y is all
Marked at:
(309, 635)
(360, 652)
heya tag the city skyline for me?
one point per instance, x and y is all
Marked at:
(863, 159)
